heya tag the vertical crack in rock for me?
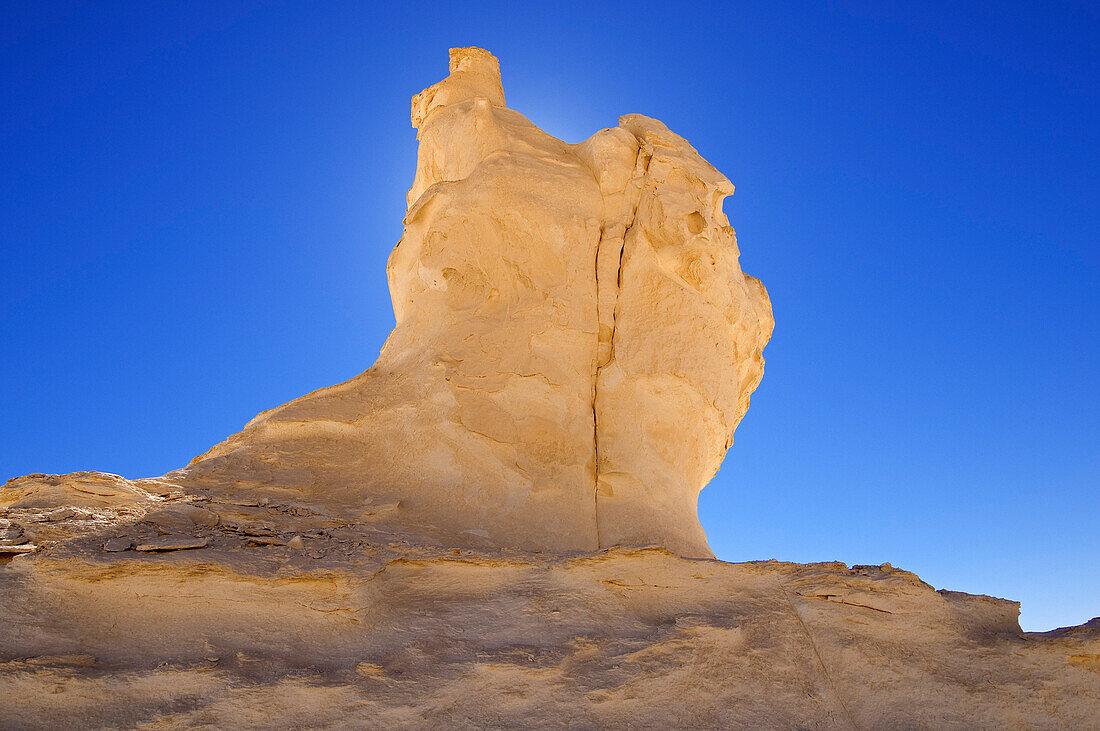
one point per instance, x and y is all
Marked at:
(605, 351)
(595, 380)
(600, 363)
(611, 248)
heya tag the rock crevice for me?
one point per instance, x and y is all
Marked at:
(620, 213)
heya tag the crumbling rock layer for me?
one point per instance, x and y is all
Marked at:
(457, 537)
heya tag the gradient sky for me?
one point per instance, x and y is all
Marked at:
(198, 201)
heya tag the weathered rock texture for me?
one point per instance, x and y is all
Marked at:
(454, 537)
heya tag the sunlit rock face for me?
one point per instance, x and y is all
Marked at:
(575, 341)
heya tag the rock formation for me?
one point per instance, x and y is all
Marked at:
(458, 536)
(575, 342)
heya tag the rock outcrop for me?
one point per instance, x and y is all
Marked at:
(495, 525)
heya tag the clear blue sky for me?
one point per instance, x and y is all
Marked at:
(198, 201)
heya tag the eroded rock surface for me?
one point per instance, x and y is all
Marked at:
(456, 537)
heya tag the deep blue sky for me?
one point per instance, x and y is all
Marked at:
(198, 201)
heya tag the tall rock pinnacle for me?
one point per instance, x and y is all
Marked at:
(575, 344)
(575, 341)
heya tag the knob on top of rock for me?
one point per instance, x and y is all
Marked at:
(474, 73)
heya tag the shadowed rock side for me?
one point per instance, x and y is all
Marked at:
(419, 547)
(575, 342)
